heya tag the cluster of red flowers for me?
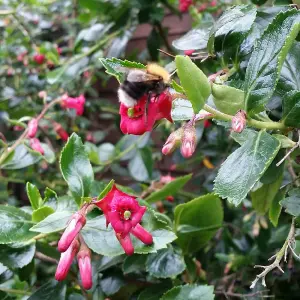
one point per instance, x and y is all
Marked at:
(122, 211)
(135, 120)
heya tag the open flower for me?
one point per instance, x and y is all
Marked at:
(136, 120)
(124, 213)
(76, 103)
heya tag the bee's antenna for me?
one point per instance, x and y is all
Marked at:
(166, 53)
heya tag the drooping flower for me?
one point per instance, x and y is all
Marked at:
(39, 58)
(75, 224)
(76, 103)
(32, 128)
(124, 213)
(65, 261)
(238, 122)
(136, 120)
(188, 144)
(35, 144)
(173, 141)
(85, 265)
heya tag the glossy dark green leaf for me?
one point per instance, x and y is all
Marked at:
(263, 197)
(194, 82)
(106, 189)
(103, 241)
(54, 222)
(15, 225)
(166, 263)
(41, 213)
(50, 195)
(231, 28)
(291, 109)
(204, 215)
(153, 294)
(169, 189)
(110, 284)
(118, 68)
(245, 166)
(16, 256)
(49, 291)
(267, 59)
(190, 292)
(275, 209)
(227, 99)
(76, 168)
(34, 196)
(292, 203)
(134, 263)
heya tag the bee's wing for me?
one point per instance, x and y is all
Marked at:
(136, 75)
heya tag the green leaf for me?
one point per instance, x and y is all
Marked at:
(194, 82)
(54, 222)
(134, 263)
(231, 29)
(182, 110)
(291, 109)
(14, 224)
(151, 293)
(227, 99)
(165, 263)
(103, 241)
(263, 197)
(50, 195)
(76, 168)
(190, 292)
(41, 213)
(204, 215)
(245, 166)
(14, 256)
(118, 68)
(92, 151)
(169, 189)
(267, 59)
(34, 196)
(106, 189)
(49, 291)
(195, 39)
(111, 283)
(275, 208)
(292, 203)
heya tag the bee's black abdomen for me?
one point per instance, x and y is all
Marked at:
(135, 89)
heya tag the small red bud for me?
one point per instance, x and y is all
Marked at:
(36, 145)
(39, 58)
(173, 141)
(238, 122)
(189, 52)
(32, 128)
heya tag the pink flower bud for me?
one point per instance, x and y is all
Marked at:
(189, 52)
(142, 234)
(18, 128)
(172, 142)
(36, 145)
(42, 94)
(126, 244)
(238, 122)
(166, 179)
(39, 58)
(32, 128)
(213, 3)
(85, 267)
(74, 226)
(65, 261)
(188, 144)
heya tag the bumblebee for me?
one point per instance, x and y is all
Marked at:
(151, 81)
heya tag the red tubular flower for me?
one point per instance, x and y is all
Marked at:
(85, 266)
(238, 122)
(74, 103)
(188, 144)
(32, 128)
(172, 142)
(36, 145)
(184, 5)
(75, 224)
(134, 119)
(39, 58)
(61, 132)
(124, 213)
(65, 261)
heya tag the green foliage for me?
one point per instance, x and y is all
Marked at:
(194, 82)
(291, 109)
(190, 292)
(292, 203)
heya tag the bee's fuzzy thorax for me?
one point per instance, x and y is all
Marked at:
(157, 70)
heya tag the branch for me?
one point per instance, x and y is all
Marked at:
(226, 294)
(288, 244)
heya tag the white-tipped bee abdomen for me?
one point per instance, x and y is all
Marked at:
(125, 98)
